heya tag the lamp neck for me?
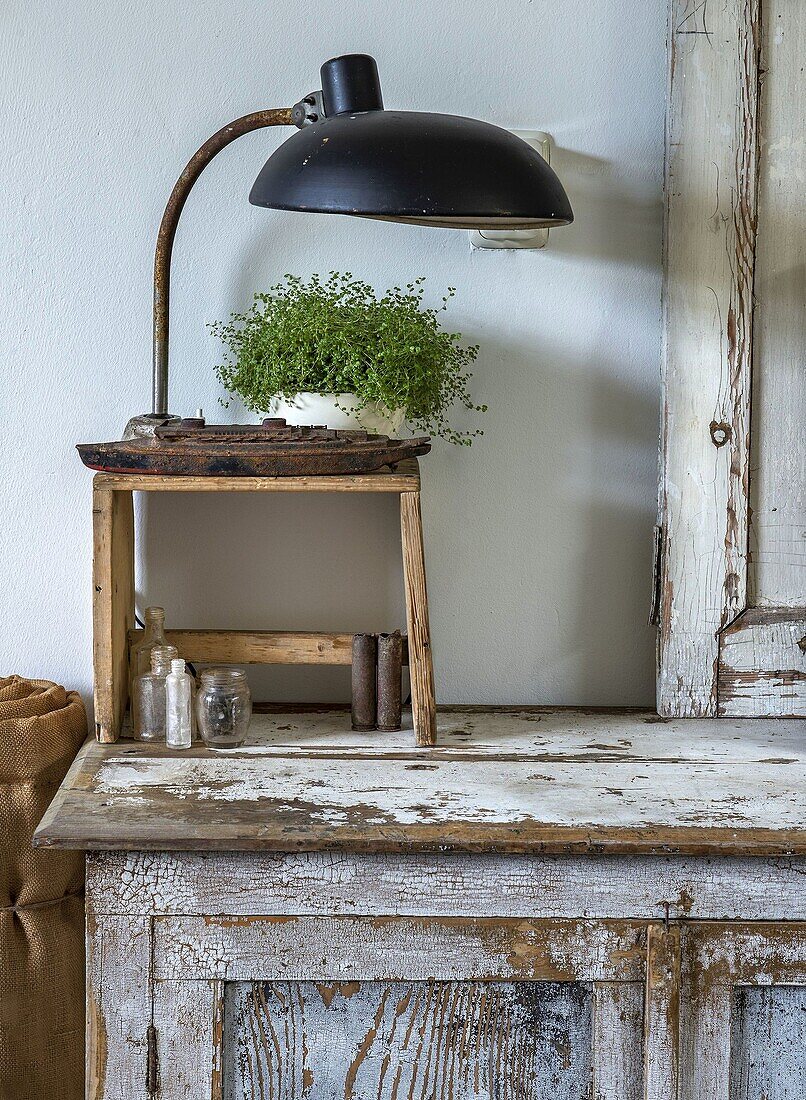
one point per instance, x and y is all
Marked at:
(167, 231)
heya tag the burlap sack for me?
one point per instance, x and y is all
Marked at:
(41, 899)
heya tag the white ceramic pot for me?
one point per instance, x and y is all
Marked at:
(321, 408)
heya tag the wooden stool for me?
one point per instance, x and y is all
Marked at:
(113, 590)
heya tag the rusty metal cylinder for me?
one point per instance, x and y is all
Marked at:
(365, 652)
(390, 672)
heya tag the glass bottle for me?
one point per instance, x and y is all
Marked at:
(178, 698)
(140, 655)
(223, 707)
(149, 696)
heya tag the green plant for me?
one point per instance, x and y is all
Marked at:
(334, 335)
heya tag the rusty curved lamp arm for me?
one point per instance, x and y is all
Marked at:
(283, 116)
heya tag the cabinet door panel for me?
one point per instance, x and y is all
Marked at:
(743, 1012)
(332, 1041)
(353, 1008)
(768, 1043)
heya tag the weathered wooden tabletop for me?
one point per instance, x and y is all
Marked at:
(500, 779)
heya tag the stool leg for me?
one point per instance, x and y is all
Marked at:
(421, 668)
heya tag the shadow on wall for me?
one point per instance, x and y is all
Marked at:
(614, 221)
(557, 581)
(549, 550)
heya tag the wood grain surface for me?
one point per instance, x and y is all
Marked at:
(762, 662)
(348, 1040)
(265, 647)
(112, 607)
(421, 668)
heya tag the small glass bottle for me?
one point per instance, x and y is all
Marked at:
(153, 635)
(149, 696)
(140, 656)
(178, 697)
(223, 707)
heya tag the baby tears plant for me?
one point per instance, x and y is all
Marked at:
(335, 335)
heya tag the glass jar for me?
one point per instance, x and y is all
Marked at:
(149, 696)
(223, 707)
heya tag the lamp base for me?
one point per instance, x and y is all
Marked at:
(146, 424)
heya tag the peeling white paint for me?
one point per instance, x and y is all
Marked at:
(687, 773)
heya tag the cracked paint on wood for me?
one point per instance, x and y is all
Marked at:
(618, 1047)
(717, 960)
(762, 663)
(383, 948)
(709, 250)
(178, 967)
(733, 485)
(446, 884)
(294, 1007)
(778, 454)
(662, 1012)
(118, 1005)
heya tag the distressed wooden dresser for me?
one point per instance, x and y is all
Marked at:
(550, 903)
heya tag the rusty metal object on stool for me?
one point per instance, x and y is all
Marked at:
(390, 671)
(270, 449)
(365, 650)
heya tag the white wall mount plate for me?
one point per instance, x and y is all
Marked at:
(518, 238)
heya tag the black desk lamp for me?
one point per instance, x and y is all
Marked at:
(351, 156)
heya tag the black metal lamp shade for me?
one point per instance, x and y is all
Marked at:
(351, 156)
(406, 166)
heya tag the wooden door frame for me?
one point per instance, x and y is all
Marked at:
(717, 654)
(632, 967)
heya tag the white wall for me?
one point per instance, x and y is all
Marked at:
(538, 538)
